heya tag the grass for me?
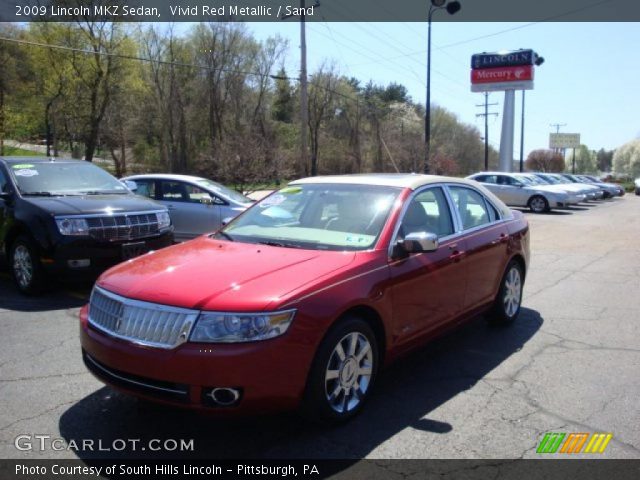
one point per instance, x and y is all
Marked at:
(20, 152)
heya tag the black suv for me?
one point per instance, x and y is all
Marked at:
(61, 216)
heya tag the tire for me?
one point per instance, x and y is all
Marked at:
(336, 387)
(25, 266)
(506, 306)
(538, 204)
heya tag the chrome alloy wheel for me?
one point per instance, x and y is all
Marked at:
(348, 373)
(538, 204)
(22, 266)
(512, 291)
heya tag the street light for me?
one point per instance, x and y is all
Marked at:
(451, 7)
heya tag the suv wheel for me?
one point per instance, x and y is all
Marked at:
(25, 266)
(343, 372)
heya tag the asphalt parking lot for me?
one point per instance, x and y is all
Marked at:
(571, 363)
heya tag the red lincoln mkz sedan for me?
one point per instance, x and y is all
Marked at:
(301, 299)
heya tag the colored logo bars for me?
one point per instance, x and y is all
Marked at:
(573, 443)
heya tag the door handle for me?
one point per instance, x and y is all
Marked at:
(503, 238)
(456, 256)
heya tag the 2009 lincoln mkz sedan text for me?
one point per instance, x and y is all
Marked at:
(299, 301)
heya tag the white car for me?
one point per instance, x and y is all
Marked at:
(515, 192)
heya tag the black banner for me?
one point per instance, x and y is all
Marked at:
(317, 10)
(320, 469)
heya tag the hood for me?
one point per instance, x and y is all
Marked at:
(93, 204)
(208, 274)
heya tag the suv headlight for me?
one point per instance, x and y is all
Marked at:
(164, 221)
(212, 327)
(72, 226)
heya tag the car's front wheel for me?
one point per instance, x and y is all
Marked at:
(25, 266)
(538, 204)
(506, 306)
(343, 372)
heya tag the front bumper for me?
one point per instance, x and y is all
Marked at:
(271, 374)
(87, 255)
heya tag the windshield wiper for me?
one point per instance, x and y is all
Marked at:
(279, 244)
(41, 194)
(225, 235)
(98, 192)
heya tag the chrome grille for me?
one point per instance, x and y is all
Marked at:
(123, 227)
(140, 322)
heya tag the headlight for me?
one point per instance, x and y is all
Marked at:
(72, 226)
(164, 221)
(239, 327)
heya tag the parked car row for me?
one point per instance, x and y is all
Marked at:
(542, 192)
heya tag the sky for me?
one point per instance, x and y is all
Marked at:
(589, 80)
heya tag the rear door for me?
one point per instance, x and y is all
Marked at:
(486, 240)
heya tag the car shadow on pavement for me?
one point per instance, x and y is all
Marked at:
(53, 298)
(406, 395)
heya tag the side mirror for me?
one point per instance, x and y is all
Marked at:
(5, 196)
(226, 220)
(418, 242)
(130, 184)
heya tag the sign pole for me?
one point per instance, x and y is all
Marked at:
(506, 138)
(574, 161)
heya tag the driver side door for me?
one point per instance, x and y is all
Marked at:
(427, 288)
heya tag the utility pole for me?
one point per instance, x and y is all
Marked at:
(558, 125)
(522, 135)
(486, 127)
(304, 101)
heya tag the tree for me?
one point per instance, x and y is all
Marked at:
(544, 161)
(626, 159)
(585, 160)
(321, 94)
(604, 159)
(284, 103)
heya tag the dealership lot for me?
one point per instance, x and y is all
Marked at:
(569, 364)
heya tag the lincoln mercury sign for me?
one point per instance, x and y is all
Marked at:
(564, 140)
(508, 70)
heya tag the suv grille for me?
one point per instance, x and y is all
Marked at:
(140, 322)
(123, 227)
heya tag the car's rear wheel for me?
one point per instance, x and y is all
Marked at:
(343, 372)
(506, 306)
(25, 266)
(538, 204)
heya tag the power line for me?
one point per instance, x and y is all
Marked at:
(134, 57)
(486, 126)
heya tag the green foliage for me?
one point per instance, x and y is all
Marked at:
(207, 103)
(626, 159)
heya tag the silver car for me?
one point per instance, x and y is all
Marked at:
(515, 192)
(591, 191)
(196, 205)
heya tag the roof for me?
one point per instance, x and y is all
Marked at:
(166, 176)
(499, 173)
(401, 180)
(37, 159)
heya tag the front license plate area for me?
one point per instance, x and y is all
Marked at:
(132, 250)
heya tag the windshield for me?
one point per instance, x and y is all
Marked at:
(317, 216)
(64, 178)
(224, 191)
(551, 180)
(524, 179)
(535, 180)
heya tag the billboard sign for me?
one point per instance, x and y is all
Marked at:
(502, 74)
(564, 140)
(502, 86)
(503, 59)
